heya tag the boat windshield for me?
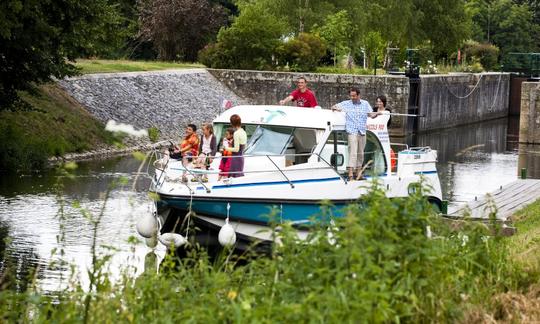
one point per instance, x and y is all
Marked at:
(269, 140)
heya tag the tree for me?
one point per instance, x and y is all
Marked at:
(443, 24)
(300, 15)
(39, 37)
(515, 30)
(374, 47)
(506, 24)
(250, 42)
(337, 32)
(180, 28)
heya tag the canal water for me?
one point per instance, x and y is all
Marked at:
(473, 160)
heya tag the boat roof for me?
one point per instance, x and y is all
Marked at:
(283, 116)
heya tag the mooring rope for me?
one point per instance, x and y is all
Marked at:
(467, 95)
(189, 214)
(496, 94)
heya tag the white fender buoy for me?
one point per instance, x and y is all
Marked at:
(147, 226)
(227, 235)
(169, 239)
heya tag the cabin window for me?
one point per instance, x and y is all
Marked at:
(341, 147)
(372, 152)
(303, 143)
(375, 153)
(269, 140)
(220, 128)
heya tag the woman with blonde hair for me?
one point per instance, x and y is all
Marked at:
(207, 149)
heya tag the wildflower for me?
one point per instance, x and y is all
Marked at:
(232, 294)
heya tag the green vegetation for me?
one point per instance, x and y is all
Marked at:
(38, 36)
(520, 303)
(376, 265)
(524, 245)
(108, 66)
(52, 124)
(41, 39)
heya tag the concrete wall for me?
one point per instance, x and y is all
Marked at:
(529, 121)
(263, 87)
(451, 100)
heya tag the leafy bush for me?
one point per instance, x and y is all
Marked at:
(249, 43)
(486, 54)
(302, 53)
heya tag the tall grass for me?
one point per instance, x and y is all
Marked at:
(376, 264)
(53, 125)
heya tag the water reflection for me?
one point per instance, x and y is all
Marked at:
(529, 159)
(29, 215)
(473, 159)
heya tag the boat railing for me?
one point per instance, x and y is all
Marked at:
(162, 162)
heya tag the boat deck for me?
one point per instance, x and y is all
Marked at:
(507, 200)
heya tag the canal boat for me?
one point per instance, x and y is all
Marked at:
(295, 158)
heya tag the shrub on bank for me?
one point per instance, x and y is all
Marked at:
(377, 264)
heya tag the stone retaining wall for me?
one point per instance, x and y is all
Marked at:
(529, 121)
(167, 100)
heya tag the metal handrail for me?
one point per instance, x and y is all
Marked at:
(277, 167)
(194, 174)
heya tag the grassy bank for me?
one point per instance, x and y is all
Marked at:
(109, 66)
(376, 265)
(52, 125)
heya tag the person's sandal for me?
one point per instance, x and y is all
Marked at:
(204, 179)
(194, 179)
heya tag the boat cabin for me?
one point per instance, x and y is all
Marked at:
(302, 135)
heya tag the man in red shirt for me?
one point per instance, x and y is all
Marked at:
(302, 95)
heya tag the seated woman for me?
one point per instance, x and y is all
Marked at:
(188, 149)
(207, 149)
(240, 141)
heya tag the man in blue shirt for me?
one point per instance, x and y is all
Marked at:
(356, 114)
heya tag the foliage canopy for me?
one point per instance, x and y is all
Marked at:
(38, 38)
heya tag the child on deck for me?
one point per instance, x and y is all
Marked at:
(225, 163)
